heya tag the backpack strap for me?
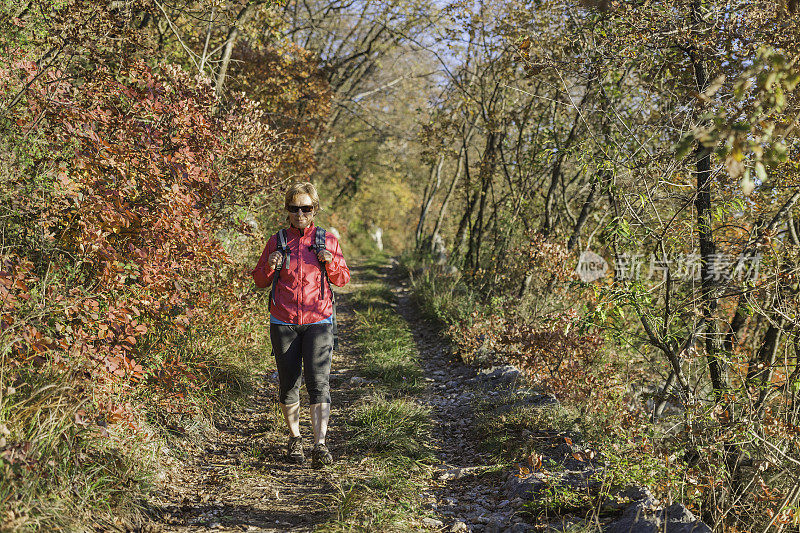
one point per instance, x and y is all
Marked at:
(283, 248)
(319, 245)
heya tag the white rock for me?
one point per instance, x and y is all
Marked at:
(458, 526)
(432, 522)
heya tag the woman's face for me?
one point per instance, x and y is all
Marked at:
(301, 220)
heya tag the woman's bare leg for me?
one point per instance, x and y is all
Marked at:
(320, 413)
(291, 413)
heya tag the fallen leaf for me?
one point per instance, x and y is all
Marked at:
(535, 461)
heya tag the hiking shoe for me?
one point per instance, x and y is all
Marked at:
(294, 450)
(320, 456)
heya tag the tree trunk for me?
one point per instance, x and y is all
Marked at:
(459, 169)
(458, 243)
(431, 189)
(587, 205)
(760, 367)
(233, 34)
(708, 248)
(749, 254)
(486, 173)
(461, 234)
(476, 231)
(548, 225)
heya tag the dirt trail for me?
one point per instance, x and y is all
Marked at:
(466, 493)
(237, 480)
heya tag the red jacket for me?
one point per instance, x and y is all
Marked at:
(297, 298)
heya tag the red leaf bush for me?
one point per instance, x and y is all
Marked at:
(123, 179)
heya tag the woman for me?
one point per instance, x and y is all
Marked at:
(301, 309)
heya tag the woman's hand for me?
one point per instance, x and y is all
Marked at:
(274, 260)
(325, 256)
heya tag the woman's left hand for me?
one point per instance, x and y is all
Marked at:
(325, 256)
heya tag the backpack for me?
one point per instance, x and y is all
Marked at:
(319, 245)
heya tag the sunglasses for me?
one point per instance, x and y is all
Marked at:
(296, 208)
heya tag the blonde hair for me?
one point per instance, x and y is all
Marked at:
(305, 187)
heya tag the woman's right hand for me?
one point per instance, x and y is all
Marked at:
(274, 260)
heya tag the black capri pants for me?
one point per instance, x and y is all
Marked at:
(307, 348)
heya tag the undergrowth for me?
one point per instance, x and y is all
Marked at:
(72, 459)
(596, 414)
